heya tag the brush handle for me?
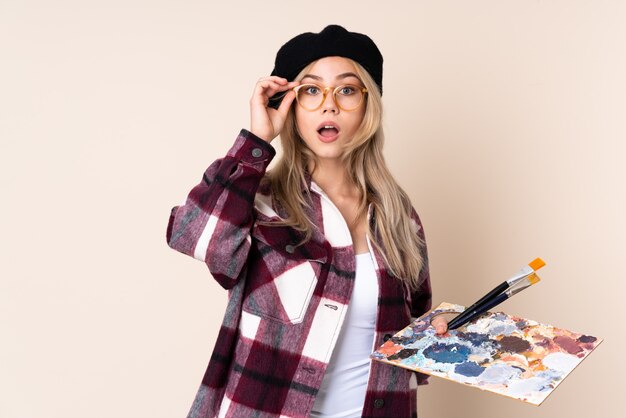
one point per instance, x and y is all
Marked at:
(480, 310)
(499, 289)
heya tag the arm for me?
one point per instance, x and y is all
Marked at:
(214, 224)
(421, 299)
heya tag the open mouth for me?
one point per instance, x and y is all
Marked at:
(328, 132)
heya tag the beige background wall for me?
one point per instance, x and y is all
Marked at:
(505, 122)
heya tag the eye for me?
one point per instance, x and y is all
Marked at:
(347, 90)
(312, 90)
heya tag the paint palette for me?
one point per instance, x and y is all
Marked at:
(508, 355)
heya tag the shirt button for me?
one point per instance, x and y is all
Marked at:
(386, 337)
(256, 152)
(290, 248)
(379, 403)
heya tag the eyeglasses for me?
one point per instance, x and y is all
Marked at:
(348, 97)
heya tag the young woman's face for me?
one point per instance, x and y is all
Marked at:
(325, 143)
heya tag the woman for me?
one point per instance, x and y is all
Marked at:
(324, 256)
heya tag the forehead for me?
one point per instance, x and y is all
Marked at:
(331, 69)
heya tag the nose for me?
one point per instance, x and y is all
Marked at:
(329, 103)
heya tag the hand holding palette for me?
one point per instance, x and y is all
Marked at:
(508, 355)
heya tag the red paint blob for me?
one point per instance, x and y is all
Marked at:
(568, 344)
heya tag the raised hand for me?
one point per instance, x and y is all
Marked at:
(266, 122)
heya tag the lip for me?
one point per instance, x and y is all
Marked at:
(328, 123)
(328, 138)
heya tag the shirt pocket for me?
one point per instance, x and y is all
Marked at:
(282, 277)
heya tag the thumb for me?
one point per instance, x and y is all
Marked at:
(286, 103)
(440, 325)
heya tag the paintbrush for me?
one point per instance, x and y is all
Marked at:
(520, 281)
(523, 284)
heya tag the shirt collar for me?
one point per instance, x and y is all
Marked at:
(309, 185)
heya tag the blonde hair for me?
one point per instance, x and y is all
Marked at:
(400, 244)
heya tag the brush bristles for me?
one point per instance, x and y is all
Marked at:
(533, 278)
(536, 264)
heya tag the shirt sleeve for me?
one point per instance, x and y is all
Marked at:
(214, 223)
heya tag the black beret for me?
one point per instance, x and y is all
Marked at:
(334, 40)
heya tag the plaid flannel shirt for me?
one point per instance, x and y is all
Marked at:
(286, 302)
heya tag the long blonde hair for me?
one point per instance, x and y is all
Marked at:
(400, 244)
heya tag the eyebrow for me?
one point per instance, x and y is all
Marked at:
(339, 77)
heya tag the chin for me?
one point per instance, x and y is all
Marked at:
(329, 156)
(328, 153)
(322, 150)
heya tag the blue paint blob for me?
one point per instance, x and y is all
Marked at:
(469, 369)
(447, 353)
(499, 316)
(421, 326)
(586, 339)
(404, 340)
(475, 338)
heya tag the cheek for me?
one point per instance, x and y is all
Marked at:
(301, 125)
(356, 122)
(300, 121)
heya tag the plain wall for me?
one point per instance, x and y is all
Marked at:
(505, 123)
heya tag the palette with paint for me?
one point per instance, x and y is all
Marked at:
(508, 355)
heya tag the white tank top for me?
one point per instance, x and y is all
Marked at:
(342, 392)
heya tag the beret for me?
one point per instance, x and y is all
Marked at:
(334, 40)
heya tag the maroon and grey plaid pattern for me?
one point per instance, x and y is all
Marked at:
(286, 302)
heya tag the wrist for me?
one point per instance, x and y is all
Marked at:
(261, 135)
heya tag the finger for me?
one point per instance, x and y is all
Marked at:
(278, 89)
(285, 87)
(264, 90)
(270, 87)
(440, 325)
(264, 84)
(274, 78)
(286, 103)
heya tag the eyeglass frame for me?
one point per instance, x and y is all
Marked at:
(325, 94)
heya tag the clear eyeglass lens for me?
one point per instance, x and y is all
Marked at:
(348, 97)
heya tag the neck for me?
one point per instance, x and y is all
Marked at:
(333, 178)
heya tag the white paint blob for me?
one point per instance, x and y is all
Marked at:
(560, 361)
(499, 374)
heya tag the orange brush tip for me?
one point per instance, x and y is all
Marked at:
(533, 279)
(536, 264)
